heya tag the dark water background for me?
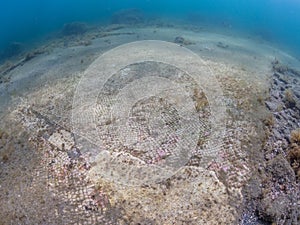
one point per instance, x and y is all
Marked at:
(277, 21)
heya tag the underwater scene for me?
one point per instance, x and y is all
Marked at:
(148, 112)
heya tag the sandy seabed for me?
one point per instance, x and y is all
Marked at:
(52, 174)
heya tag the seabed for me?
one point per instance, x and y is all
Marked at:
(56, 171)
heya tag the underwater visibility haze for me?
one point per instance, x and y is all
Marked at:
(276, 21)
(150, 112)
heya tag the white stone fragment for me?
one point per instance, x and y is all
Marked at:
(62, 140)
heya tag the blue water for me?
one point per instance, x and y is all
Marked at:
(276, 21)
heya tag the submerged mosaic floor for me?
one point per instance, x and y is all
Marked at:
(164, 139)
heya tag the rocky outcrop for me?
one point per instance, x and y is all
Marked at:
(273, 192)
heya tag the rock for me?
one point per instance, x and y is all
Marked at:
(182, 41)
(270, 210)
(289, 98)
(271, 105)
(74, 153)
(179, 40)
(283, 115)
(62, 139)
(295, 136)
(297, 92)
(283, 69)
(277, 135)
(281, 78)
(276, 202)
(128, 16)
(75, 28)
(5, 158)
(85, 42)
(278, 67)
(294, 159)
(280, 169)
(222, 45)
